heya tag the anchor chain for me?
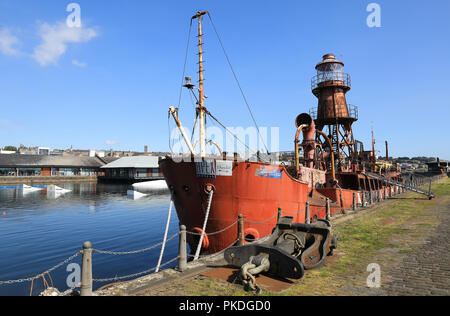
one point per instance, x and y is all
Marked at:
(255, 266)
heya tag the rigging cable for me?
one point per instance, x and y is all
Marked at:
(237, 81)
(226, 129)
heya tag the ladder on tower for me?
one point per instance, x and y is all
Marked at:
(375, 176)
(335, 140)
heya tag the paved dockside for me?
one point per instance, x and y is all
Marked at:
(425, 271)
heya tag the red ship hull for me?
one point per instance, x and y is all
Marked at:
(246, 191)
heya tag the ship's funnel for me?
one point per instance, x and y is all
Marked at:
(308, 133)
(305, 123)
(303, 119)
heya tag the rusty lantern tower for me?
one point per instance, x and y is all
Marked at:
(333, 115)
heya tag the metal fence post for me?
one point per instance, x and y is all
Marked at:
(86, 270)
(280, 214)
(354, 201)
(241, 237)
(307, 214)
(363, 199)
(182, 251)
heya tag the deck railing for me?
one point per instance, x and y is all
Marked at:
(331, 76)
(353, 112)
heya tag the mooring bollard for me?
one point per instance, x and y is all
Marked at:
(182, 251)
(307, 214)
(280, 214)
(241, 236)
(354, 201)
(86, 270)
(328, 209)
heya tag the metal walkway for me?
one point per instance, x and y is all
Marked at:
(375, 176)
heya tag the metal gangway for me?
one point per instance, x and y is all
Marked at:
(405, 186)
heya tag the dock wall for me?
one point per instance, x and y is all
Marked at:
(5, 181)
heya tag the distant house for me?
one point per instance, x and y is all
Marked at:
(132, 169)
(51, 166)
(43, 151)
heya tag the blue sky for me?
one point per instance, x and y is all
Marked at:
(110, 84)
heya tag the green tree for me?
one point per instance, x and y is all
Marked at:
(10, 148)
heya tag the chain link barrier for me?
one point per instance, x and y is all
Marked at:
(293, 214)
(263, 222)
(212, 234)
(43, 273)
(120, 253)
(69, 259)
(215, 254)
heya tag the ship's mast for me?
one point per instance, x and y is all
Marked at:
(201, 98)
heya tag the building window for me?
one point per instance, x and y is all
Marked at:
(29, 172)
(7, 172)
(141, 173)
(87, 172)
(65, 172)
(69, 172)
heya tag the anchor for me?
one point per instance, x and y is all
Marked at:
(287, 253)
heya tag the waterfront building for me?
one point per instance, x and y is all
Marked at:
(49, 166)
(132, 169)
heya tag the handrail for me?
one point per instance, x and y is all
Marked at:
(331, 76)
(353, 112)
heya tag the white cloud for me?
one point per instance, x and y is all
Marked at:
(111, 142)
(7, 41)
(79, 63)
(55, 39)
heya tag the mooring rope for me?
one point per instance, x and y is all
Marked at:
(200, 242)
(165, 236)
